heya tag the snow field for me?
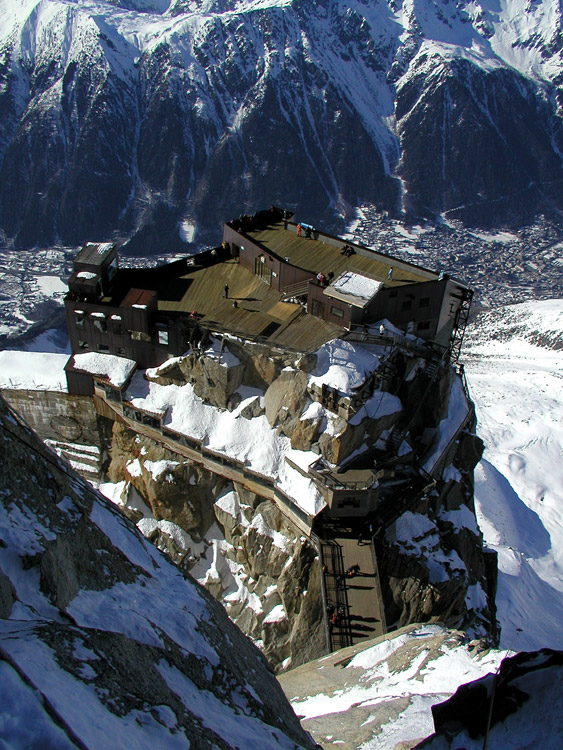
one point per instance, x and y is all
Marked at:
(517, 386)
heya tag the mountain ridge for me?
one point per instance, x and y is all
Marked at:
(138, 118)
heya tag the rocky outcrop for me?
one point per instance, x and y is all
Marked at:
(399, 675)
(244, 551)
(516, 707)
(175, 489)
(218, 371)
(283, 572)
(432, 562)
(250, 557)
(88, 608)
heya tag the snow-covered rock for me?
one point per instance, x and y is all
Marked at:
(101, 636)
(378, 695)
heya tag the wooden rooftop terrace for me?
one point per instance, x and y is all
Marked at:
(259, 311)
(325, 254)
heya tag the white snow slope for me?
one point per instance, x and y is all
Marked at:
(514, 365)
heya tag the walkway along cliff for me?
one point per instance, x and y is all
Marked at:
(295, 404)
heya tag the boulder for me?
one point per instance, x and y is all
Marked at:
(214, 381)
(286, 397)
(303, 433)
(255, 408)
(341, 441)
(307, 362)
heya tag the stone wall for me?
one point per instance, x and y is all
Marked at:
(56, 415)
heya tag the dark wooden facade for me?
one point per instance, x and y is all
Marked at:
(414, 299)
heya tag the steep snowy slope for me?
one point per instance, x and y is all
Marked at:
(140, 117)
(514, 364)
(103, 642)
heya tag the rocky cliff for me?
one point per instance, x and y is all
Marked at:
(100, 636)
(249, 554)
(155, 120)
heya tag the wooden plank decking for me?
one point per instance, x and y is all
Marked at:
(319, 255)
(252, 308)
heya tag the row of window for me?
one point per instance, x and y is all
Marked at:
(102, 326)
(407, 304)
(104, 348)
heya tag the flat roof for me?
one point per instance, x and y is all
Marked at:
(325, 254)
(354, 289)
(94, 253)
(116, 370)
(252, 307)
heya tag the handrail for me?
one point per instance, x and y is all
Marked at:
(390, 339)
(297, 288)
(328, 479)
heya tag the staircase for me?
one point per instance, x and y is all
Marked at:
(332, 566)
(85, 459)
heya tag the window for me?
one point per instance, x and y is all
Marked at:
(112, 269)
(424, 325)
(337, 311)
(120, 350)
(424, 302)
(112, 394)
(139, 336)
(101, 325)
(80, 322)
(318, 309)
(163, 336)
(103, 348)
(349, 501)
(407, 304)
(83, 345)
(117, 327)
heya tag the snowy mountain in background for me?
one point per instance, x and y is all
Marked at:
(160, 120)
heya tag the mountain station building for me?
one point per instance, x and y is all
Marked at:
(271, 280)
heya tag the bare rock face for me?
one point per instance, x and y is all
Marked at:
(286, 397)
(233, 541)
(303, 433)
(261, 367)
(214, 378)
(174, 488)
(253, 409)
(90, 608)
(279, 567)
